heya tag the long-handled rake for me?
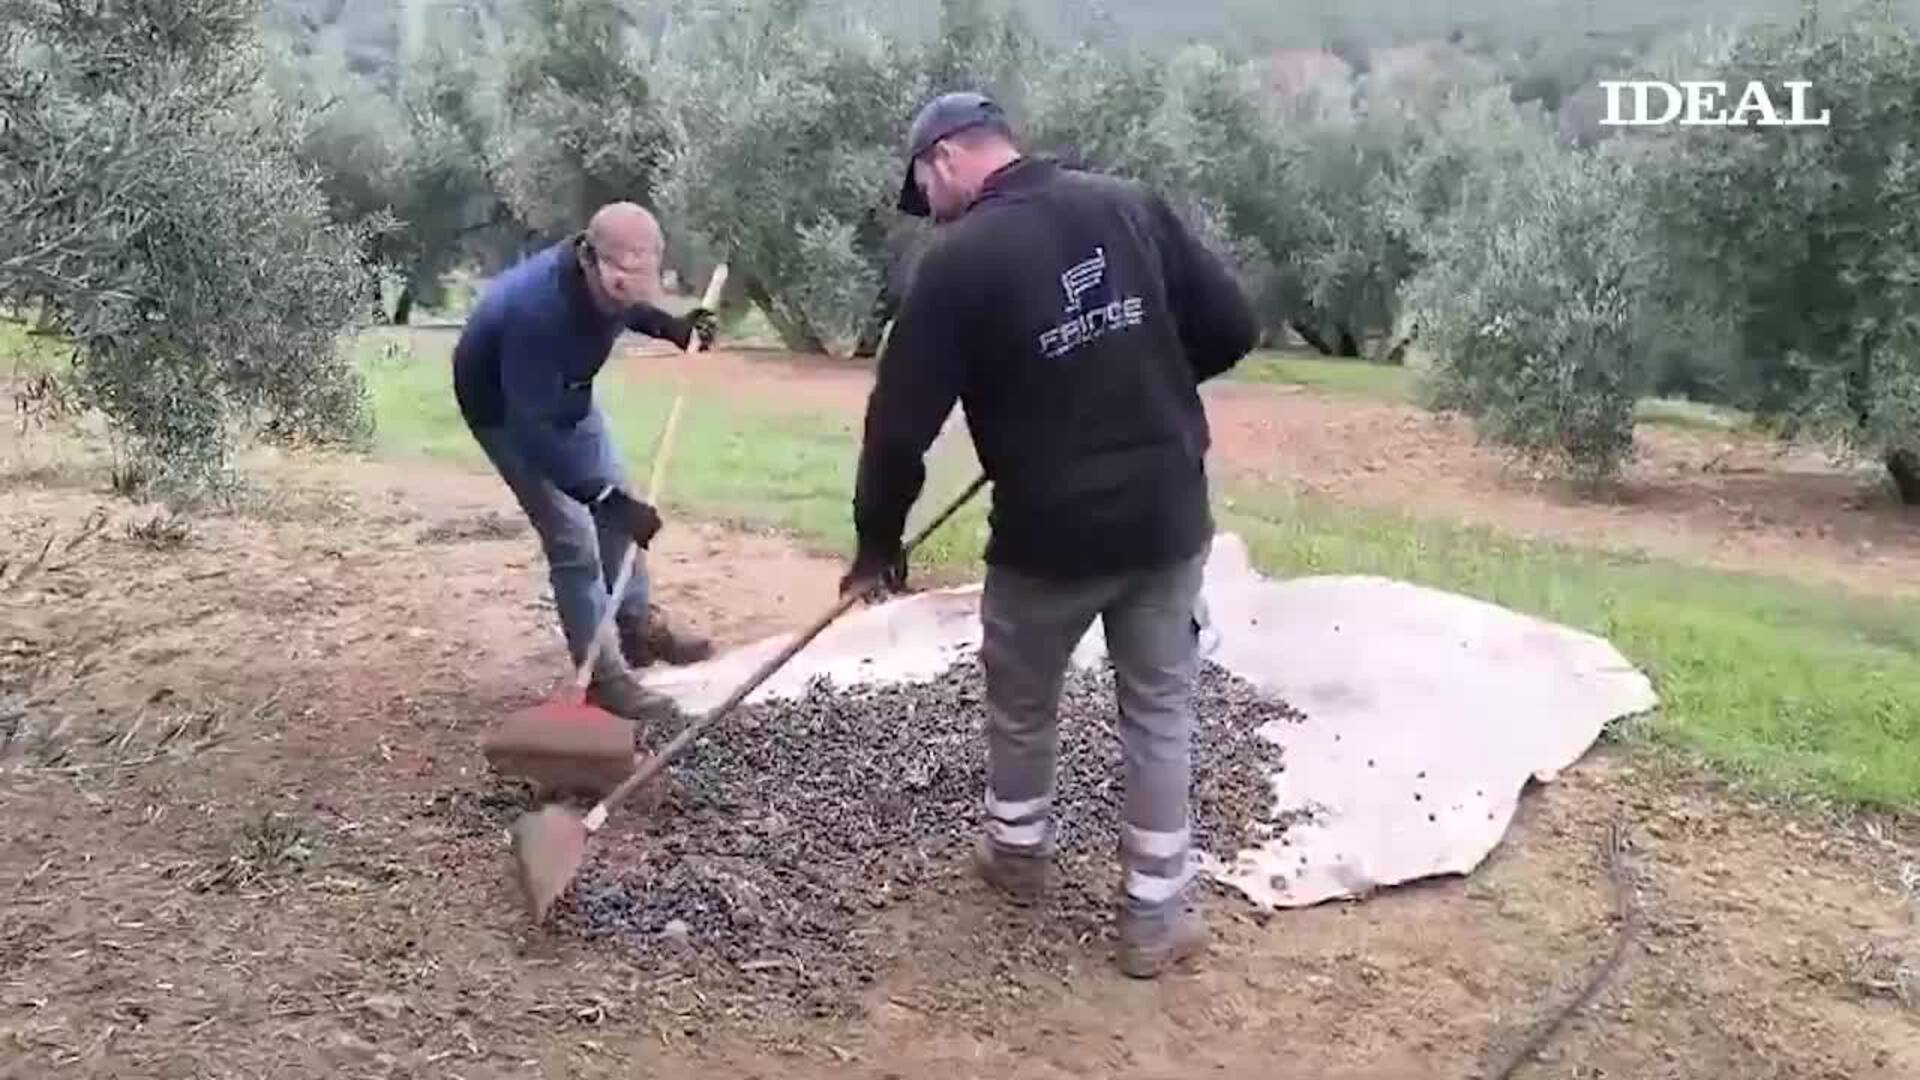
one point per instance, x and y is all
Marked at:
(566, 743)
(550, 844)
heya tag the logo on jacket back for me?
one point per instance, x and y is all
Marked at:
(1084, 324)
(1082, 276)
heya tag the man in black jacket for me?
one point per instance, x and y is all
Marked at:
(1073, 315)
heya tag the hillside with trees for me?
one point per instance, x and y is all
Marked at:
(1389, 179)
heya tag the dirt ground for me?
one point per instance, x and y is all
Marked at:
(249, 834)
(1735, 502)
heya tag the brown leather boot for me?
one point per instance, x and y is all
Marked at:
(622, 695)
(1021, 879)
(1151, 945)
(655, 640)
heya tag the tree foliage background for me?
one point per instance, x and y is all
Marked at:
(1805, 243)
(153, 207)
(205, 193)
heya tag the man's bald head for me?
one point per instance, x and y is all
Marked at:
(624, 227)
(625, 265)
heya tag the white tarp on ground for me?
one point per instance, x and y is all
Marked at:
(1427, 712)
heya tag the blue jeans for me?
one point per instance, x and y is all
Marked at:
(583, 557)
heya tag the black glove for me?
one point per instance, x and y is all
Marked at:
(875, 573)
(628, 514)
(703, 324)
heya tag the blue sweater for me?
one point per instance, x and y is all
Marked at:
(527, 358)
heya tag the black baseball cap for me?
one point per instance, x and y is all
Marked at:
(939, 118)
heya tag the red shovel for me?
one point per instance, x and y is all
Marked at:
(567, 745)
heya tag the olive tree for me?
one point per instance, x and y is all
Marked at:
(1808, 239)
(785, 150)
(402, 151)
(579, 124)
(151, 200)
(1346, 262)
(1195, 128)
(1531, 294)
(353, 136)
(1352, 249)
(446, 203)
(978, 45)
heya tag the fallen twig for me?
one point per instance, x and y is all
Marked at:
(1620, 873)
(42, 561)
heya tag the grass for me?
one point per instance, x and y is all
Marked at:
(1401, 385)
(24, 354)
(1690, 415)
(732, 460)
(1799, 690)
(1359, 378)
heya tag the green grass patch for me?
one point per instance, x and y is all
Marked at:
(1796, 689)
(732, 460)
(24, 354)
(1799, 689)
(1352, 377)
(750, 328)
(1401, 385)
(1690, 415)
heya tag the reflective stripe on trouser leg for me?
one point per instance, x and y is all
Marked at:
(1020, 826)
(1152, 639)
(1029, 628)
(1159, 865)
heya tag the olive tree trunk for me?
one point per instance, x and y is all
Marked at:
(796, 333)
(1904, 467)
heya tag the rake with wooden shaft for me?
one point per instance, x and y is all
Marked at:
(550, 844)
(566, 744)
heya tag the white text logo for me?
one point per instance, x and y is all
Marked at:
(1083, 326)
(1702, 104)
(1080, 329)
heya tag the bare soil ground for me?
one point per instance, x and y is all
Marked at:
(1736, 502)
(249, 834)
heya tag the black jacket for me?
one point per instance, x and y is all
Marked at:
(1073, 316)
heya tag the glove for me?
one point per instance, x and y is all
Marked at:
(875, 573)
(628, 514)
(704, 324)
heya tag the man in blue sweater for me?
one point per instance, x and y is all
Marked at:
(523, 375)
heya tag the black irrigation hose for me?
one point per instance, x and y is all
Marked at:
(1615, 844)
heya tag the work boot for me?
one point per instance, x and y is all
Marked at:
(1151, 944)
(1021, 878)
(644, 641)
(621, 694)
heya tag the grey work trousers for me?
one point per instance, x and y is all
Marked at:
(1152, 623)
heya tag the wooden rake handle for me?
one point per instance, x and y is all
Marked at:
(710, 300)
(656, 483)
(652, 766)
